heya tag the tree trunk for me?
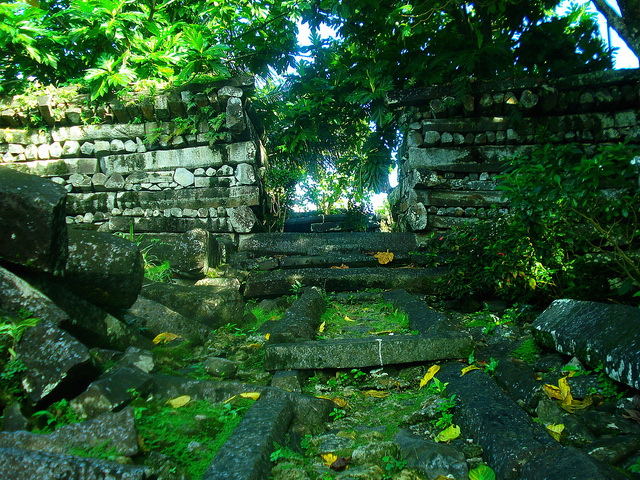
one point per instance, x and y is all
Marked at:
(627, 26)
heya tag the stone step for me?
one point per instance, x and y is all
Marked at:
(326, 243)
(282, 282)
(367, 352)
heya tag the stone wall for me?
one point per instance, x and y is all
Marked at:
(457, 143)
(170, 162)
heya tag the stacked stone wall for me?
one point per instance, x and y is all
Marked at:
(457, 143)
(157, 162)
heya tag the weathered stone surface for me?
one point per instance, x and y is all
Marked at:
(235, 120)
(32, 214)
(567, 464)
(242, 219)
(12, 418)
(241, 152)
(142, 359)
(210, 306)
(116, 430)
(190, 253)
(367, 352)
(156, 318)
(431, 458)
(51, 356)
(245, 174)
(595, 332)
(301, 320)
(422, 318)
(104, 269)
(330, 243)
(192, 157)
(186, 198)
(17, 294)
(246, 452)
(16, 464)
(220, 367)
(111, 391)
(506, 433)
(277, 283)
(614, 450)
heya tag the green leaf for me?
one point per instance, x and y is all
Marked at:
(482, 472)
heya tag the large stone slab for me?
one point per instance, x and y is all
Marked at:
(438, 157)
(422, 317)
(104, 269)
(301, 320)
(32, 215)
(331, 243)
(568, 464)
(245, 455)
(193, 198)
(596, 333)
(17, 464)
(194, 157)
(367, 352)
(281, 282)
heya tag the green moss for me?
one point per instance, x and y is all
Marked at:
(361, 319)
(528, 351)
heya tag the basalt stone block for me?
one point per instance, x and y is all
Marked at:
(18, 464)
(301, 320)
(567, 464)
(32, 215)
(246, 453)
(422, 317)
(280, 282)
(430, 458)
(116, 430)
(367, 352)
(52, 358)
(209, 305)
(157, 160)
(104, 269)
(506, 433)
(112, 391)
(596, 333)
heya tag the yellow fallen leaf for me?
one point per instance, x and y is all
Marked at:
(341, 266)
(251, 395)
(384, 257)
(429, 375)
(178, 402)
(267, 336)
(322, 326)
(381, 332)
(555, 430)
(254, 345)
(552, 391)
(326, 397)
(577, 404)
(328, 458)
(164, 337)
(341, 402)
(376, 393)
(468, 369)
(450, 433)
(565, 391)
(348, 319)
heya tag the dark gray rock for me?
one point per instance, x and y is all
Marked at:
(615, 450)
(328, 243)
(104, 269)
(567, 464)
(518, 380)
(156, 318)
(16, 464)
(16, 294)
(52, 359)
(485, 413)
(287, 380)
(114, 430)
(362, 472)
(32, 215)
(220, 367)
(595, 333)
(606, 423)
(431, 458)
(246, 453)
(422, 318)
(143, 359)
(114, 389)
(367, 352)
(13, 419)
(207, 305)
(280, 282)
(301, 320)
(351, 260)
(374, 453)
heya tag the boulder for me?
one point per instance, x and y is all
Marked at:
(155, 318)
(32, 215)
(431, 458)
(104, 269)
(53, 359)
(301, 320)
(116, 430)
(595, 333)
(211, 306)
(17, 464)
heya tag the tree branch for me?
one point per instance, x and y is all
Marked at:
(618, 23)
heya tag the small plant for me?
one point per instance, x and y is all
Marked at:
(296, 287)
(446, 416)
(392, 465)
(635, 467)
(57, 415)
(103, 451)
(13, 328)
(338, 413)
(490, 367)
(436, 387)
(528, 351)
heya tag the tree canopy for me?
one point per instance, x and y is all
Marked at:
(323, 105)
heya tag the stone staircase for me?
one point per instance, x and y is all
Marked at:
(278, 263)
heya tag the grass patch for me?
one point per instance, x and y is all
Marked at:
(362, 319)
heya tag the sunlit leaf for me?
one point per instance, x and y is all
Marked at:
(341, 402)
(348, 319)
(178, 402)
(565, 391)
(429, 375)
(254, 345)
(322, 327)
(343, 266)
(328, 458)
(482, 472)
(251, 395)
(381, 332)
(164, 337)
(552, 391)
(384, 257)
(555, 430)
(267, 336)
(450, 433)
(376, 393)
(468, 369)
